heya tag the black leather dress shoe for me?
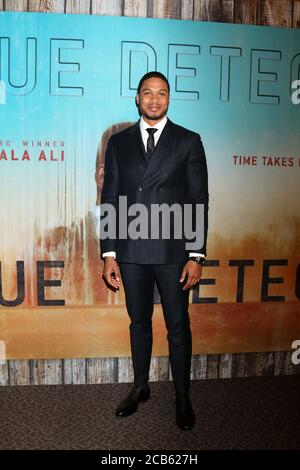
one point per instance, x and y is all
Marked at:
(131, 402)
(185, 417)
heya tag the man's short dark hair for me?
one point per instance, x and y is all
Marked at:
(151, 75)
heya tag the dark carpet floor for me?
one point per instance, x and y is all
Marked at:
(248, 413)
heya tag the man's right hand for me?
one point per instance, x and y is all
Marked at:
(111, 272)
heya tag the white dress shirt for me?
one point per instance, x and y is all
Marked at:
(159, 126)
(143, 126)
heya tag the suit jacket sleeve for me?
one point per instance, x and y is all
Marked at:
(110, 195)
(197, 187)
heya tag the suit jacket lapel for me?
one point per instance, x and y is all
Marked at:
(137, 145)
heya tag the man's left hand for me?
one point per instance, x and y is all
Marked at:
(193, 272)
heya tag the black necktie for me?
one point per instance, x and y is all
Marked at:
(150, 142)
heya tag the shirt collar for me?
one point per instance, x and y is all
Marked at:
(160, 125)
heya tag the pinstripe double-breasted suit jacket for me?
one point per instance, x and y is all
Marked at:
(176, 173)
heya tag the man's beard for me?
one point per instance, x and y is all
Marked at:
(155, 118)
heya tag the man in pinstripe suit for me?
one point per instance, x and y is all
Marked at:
(154, 162)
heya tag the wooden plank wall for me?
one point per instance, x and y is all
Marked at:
(282, 13)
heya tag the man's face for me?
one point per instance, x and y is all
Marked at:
(153, 99)
(99, 176)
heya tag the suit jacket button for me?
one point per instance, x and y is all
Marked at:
(140, 188)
